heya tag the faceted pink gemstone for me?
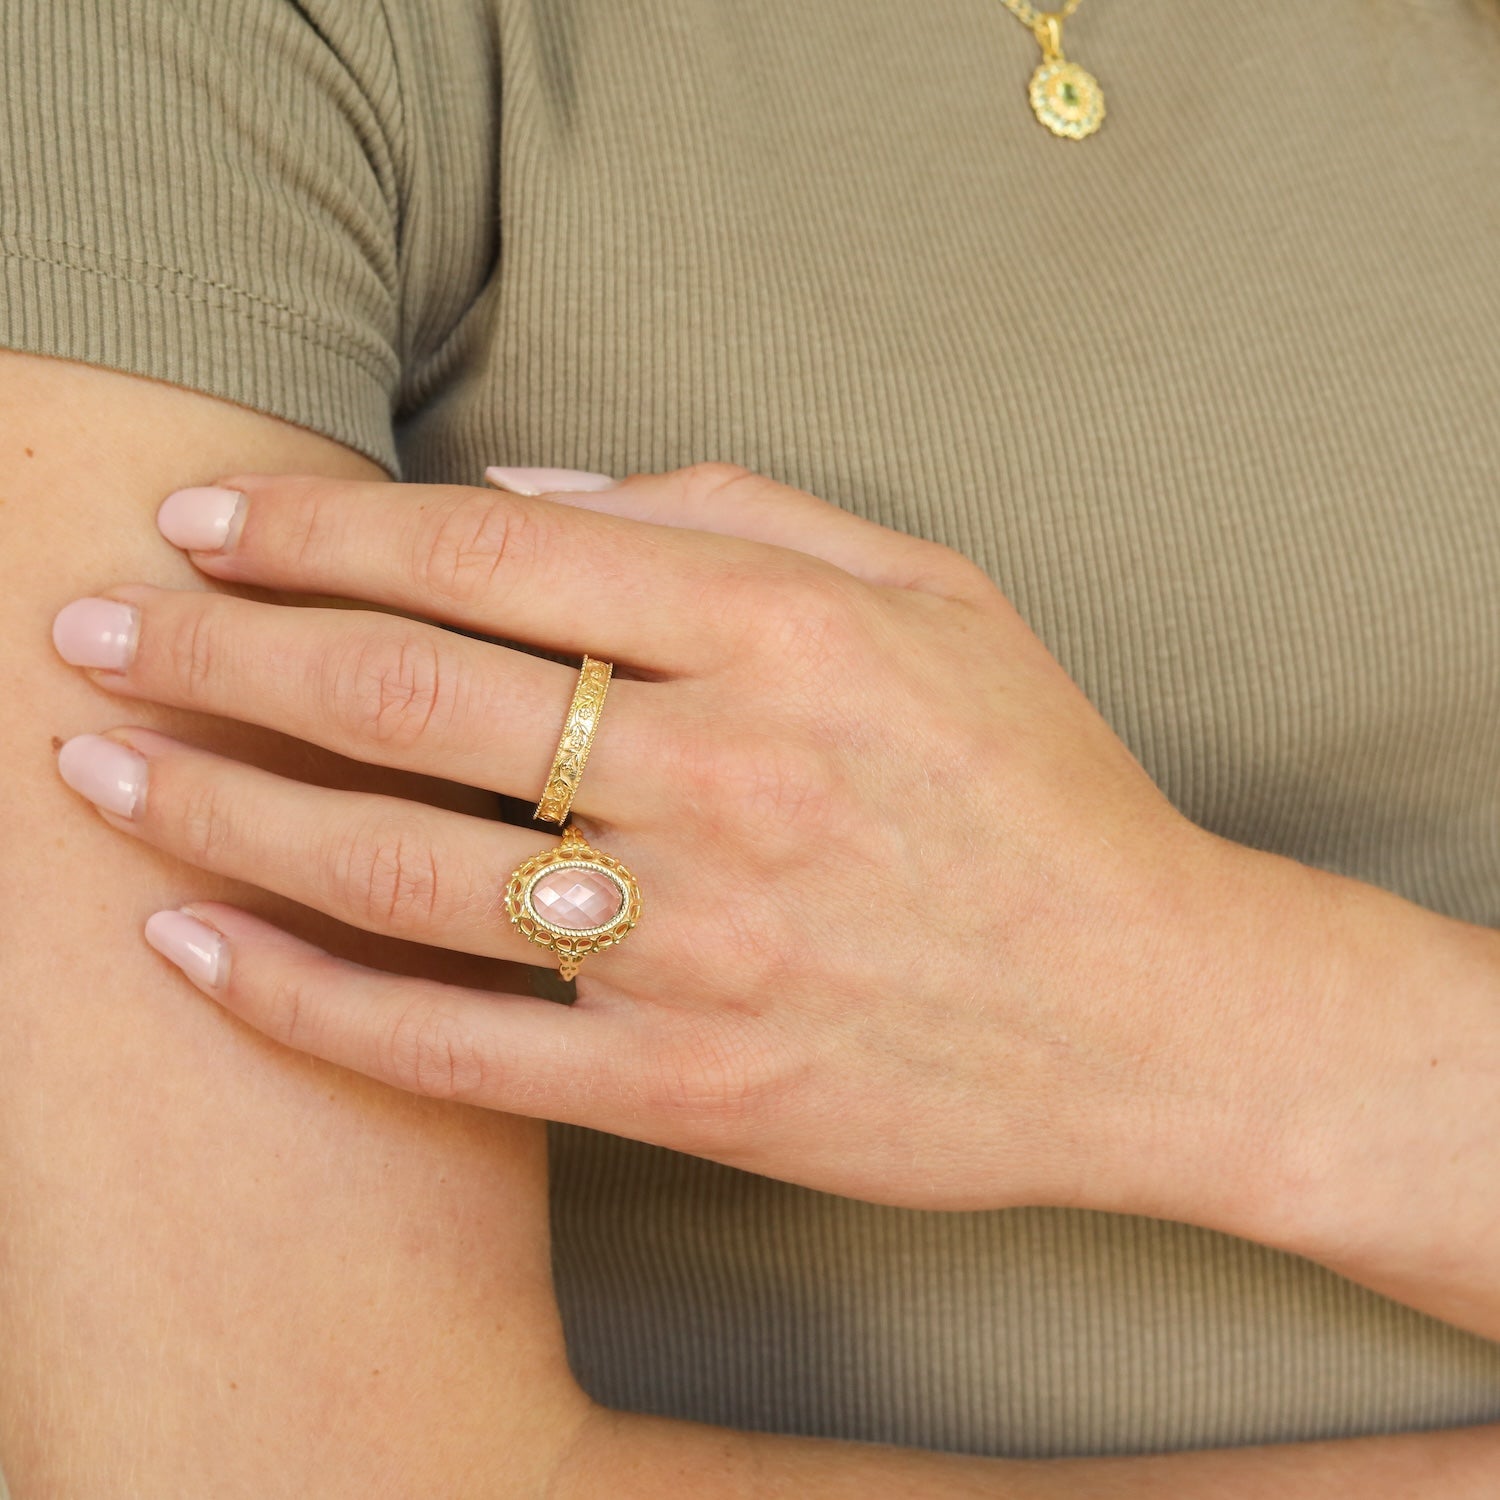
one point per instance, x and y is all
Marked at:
(576, 898)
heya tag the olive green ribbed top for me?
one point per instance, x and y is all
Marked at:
(1213, 397)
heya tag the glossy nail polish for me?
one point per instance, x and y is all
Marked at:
(193, 946)
(109, 774)
(546, 481)
(202, 519)
(96, 633)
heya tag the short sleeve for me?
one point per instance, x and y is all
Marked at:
(205, 192)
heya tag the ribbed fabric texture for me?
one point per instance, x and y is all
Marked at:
(1212, 396)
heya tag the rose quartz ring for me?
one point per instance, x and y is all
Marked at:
(573, 900)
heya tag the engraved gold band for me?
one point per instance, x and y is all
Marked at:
(576, 740)
(573, 899)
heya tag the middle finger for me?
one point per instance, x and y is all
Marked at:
(375, 687)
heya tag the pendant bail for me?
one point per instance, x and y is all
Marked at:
(1048, 32)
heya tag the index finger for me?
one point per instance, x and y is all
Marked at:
(519, 567)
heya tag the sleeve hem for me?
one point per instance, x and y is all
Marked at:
(205, 337)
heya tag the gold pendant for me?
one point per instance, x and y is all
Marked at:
(1067, 99)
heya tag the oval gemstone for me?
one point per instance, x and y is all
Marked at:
(576, 898)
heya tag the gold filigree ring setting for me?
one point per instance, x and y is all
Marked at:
(573, 900)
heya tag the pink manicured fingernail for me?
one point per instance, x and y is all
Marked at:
(109, 774)
(96, 633)
(546, 481)
(192, 945)
(202, 519)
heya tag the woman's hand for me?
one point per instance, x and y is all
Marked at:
(916, 927)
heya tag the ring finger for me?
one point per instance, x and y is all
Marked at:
(375, 687)
(404, 869)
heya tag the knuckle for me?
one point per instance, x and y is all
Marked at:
(461, 552)
(390, 686)
(811, 623)
(940, 569)
(756, 948)
(387, 877)
(712, 1086)
(427, 1050)
(779, 788)
(708, 481)
(203, 819)
(771, 794)
(285, 1011)
(699, 772)
(192, 647)
(310, 518)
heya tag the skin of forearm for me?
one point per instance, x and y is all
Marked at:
(1351, 1114)
(624, 1456)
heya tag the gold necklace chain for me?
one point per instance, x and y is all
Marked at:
(1064, 97)
(1029, 16)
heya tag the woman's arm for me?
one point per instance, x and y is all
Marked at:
(1305, 1060)
(217, 1251)
(645, 1458)
(1357, 1066)
(1140, 1017)
(220, 1260)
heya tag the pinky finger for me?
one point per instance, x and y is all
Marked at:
(515, 1053)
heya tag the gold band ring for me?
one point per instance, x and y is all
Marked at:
(577, 739)
(573, 899)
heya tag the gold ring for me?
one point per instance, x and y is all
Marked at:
(577, 738)
(573, 900)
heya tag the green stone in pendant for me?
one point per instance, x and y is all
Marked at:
(1067, 99)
